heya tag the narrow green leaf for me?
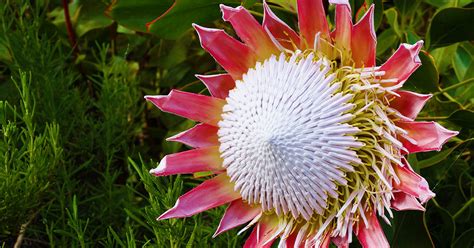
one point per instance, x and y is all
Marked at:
(5, 55)
(440, 156)
(286, 4)
(116, 237)
(248, 3)
(202, 174)
(193, 236)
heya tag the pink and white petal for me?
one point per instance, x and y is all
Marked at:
(209, 194)
(291, 240)
(424, 136)
(298, 239)
(326, 241)
(236, 58)
(372, 235)
(189, 105)
(237, 213)
(322, 242)
(201, 135)
(409, 104)
(263, 234)
(343, 32)
(341, 242)
(312, 20)
(403, 201)
(253, 242)
(188, 162)
(218, 85)
(402, 63)
(249, 31)
(364, 40)
(286, 36)
(412, 184)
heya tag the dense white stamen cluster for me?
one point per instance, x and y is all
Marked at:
(284, 137)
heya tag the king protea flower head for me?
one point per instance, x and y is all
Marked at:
(305, 134)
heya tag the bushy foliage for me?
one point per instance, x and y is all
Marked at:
(77, 139)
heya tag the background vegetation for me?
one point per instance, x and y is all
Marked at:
(77, 138)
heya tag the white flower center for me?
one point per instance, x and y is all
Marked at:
(284, 137)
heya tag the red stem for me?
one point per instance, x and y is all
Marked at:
(69, 28)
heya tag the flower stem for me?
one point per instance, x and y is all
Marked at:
(276, 7)
(464, 207)
(70, 31)
(431, 118)
(454, 86)
(256, 13)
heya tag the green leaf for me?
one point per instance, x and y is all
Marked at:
(392, 18)
(465, 93)
(286, 4)
(407, 7)
(412, 37)
(469, 71)
(193, 236)
(359, 7)
(169, 54)
(413, 161)
(469, 47)
(440, 156)
(203, 174)
(410, 230)
(178, 19)
(446, 220)
(175, 75)
(436, 158)
(4, 53)
(249, 3)
(448, 3)
(461, 61)
(386, 40)
(451, 25)
(443, 57)
(136, 14)
(378, 13)
(86, 15)
(463, 118)
(466, 239)
(426, 77)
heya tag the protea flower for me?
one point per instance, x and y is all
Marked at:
(305, 135)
